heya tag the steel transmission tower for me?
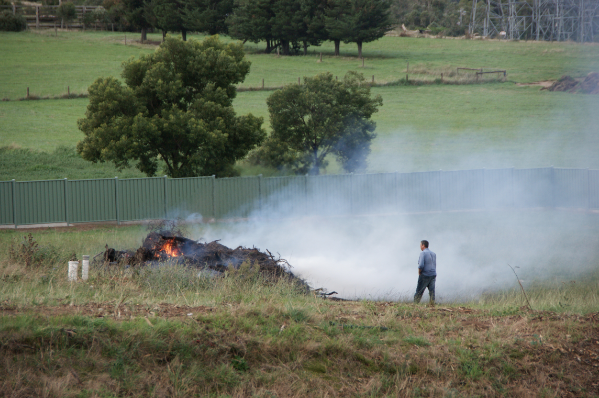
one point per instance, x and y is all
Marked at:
(559, 20)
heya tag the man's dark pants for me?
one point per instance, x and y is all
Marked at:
(423, 283)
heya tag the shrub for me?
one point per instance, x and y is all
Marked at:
(30, 254)
(10, 22)
(67, 12)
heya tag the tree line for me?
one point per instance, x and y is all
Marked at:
(287, 26)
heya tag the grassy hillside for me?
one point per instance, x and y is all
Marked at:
(419, 127)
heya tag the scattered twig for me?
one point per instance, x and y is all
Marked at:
(521, 287)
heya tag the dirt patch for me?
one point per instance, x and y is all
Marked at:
(111, 310)
(542, 83)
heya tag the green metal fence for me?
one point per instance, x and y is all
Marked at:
(78, 201)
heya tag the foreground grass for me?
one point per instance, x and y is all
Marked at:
(166, 333)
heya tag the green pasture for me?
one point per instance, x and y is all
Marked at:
(421, 127)
(48, 64)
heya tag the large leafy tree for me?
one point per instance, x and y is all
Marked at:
(208, 15)
(251, 21)
(135, 15)
(336, 24)
(358, 21)
(167, 15)
(175, 109)
(319, 118)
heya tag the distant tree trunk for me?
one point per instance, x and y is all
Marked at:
(305, 47)
(337, 43)
(316, 168)
(163, 35)
(268, 46)
(359, 43)
(285, 47)
(144, 34)
(184, 35)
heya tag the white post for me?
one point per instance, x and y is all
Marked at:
(85, 268)
(73, 267)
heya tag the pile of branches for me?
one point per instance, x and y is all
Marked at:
(589, 85)
(164, 246)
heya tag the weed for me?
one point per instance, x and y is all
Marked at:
(417, 341)
(240, 364)
(30, 254)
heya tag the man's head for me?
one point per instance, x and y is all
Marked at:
(423, 244)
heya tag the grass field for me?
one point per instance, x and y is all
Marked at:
(166, 332)
(419, 127)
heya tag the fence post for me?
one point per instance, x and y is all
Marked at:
(165, 197)
(14, 203)
(260, 192)
(513, 191)
(396, 194)
(588, 189)
(306, 193)
(66, 201)
(14, 9)
(214, 197)
(351, 193)
(116, 200)
(440, 190)
(552, 181)
(37, 17)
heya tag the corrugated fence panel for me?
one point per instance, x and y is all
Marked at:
(594, 189)
(418, 191)
(142, 199)
(284, 196)
(329, 194)
(462, 190)
(533, 187)
(6, 209)
(499, 188)
(92, 200)
(40, 202)
(373, 193)
(190, 196)
(571, 188)
(237, 197)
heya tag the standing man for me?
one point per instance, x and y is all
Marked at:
(427, 271)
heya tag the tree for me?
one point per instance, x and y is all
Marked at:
(251, 21)
(66, 12)
(174, 109)
(363, 21)
(320, 117)
(168, 15)
(335, 22)
(208, 15)
(135, 15)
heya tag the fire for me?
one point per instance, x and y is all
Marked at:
(169, 248)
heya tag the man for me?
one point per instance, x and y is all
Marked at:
(427, 273)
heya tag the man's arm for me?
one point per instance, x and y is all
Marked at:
(420, 263)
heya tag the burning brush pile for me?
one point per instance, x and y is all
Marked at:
(166, 246)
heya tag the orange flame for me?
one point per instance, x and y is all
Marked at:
(170, 249)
